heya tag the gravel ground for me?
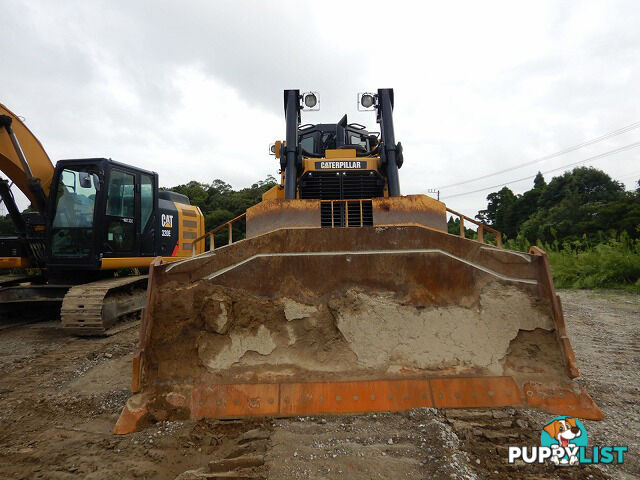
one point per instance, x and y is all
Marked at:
(60, 397)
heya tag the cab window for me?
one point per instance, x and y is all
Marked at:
(120, 227)
(146, 200)
(358, 140)
(72, 227)
(120, 200)
(308, 144)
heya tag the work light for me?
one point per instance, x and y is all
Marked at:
(367, 101)
(310, 101)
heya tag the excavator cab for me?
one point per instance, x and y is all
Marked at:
(100, 209)
(92, 217)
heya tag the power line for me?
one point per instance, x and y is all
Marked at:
(573, 148)
(632, 175)
(595, 157)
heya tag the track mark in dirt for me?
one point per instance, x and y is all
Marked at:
(487, 434)
(604, 328)
(60, 397)
(412, 445)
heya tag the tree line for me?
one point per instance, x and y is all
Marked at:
(581, 204)
(586, 221)
(219, 203)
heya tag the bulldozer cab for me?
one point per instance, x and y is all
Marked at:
(100, 209)
(315, 140)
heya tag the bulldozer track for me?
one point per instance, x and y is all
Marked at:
(93, 308)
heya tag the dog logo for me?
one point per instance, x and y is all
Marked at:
(565, 436)
(563, 441)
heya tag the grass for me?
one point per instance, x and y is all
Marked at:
(614, 263)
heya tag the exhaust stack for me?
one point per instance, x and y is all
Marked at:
(292, 116)
(391, 152)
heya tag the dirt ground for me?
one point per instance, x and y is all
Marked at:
(60, 397)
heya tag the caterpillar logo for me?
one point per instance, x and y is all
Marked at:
(340, 165)
(167, 221)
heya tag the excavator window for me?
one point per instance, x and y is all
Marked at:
(146, 200)
(120, 200)
(120, 212)
(72, 228)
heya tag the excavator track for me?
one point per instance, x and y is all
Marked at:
(93, 308)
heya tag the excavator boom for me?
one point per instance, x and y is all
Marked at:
(38, 168)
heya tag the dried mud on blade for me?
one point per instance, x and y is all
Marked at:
(325, 321)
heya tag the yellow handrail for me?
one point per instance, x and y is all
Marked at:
(481, 227)
(211, 234)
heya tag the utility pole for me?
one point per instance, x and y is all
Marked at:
(436, 191)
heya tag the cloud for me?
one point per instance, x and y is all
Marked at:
(193, 89)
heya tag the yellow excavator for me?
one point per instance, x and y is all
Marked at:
(347, 297)
(92, 219)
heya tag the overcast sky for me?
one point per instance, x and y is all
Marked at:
(193, 89)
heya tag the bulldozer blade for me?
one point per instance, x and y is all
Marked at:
(305, 321)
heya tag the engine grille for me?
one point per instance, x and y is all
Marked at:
(341, 185)
(346, 213)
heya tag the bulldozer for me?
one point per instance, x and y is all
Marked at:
(347, 297)
(92, 221)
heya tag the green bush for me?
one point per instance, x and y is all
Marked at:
(614, 263)
(609, 261)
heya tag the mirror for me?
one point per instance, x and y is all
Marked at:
(85, 179)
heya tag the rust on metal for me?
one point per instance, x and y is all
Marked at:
(354, 397)
(410, 210)
(145, 325)
(475, 392)
(136, 365)
(548, 291)
(562, 400)
(275, 214)
(271, 215)
(229, 401)
(130, 418)
(358, 397)
(186, 370)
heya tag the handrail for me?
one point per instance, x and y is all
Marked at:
(481, 228)
(211, 234)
